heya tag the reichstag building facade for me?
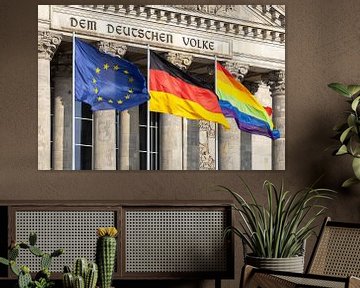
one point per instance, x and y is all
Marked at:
(249, 40)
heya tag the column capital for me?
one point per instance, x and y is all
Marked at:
(112, 48)
(276, 81)
(48, 42)
(237, 69)
(181, 60)
(253, 87)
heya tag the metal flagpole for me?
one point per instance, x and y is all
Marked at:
(73, 104)
(216, 129)
(148, 112)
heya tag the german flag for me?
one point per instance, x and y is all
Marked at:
(174, 92)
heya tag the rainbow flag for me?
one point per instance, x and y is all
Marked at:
(173, 91)
(237, 102)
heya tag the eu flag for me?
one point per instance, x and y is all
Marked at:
(106, 82)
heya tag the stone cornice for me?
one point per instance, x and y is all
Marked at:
(198, 20)
(274, 13)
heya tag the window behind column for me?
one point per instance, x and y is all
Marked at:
(154, 138)
(83, 136)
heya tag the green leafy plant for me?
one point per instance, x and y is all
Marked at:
(42, 278)
(349, 132)
(279, 229)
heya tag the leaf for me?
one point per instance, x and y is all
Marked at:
(14, 268)
(340, 127)
(353, 89)
(351, 120)
(349, 182)
(4, 261)
(340, 88)
(356, 167)
(342, 150)
(345, 134)
(355, 103)
(354, 146)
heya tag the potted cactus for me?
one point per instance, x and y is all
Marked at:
(84, 275)
(106, 254)
(42, 278)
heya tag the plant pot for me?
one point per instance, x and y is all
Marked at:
(291, 264)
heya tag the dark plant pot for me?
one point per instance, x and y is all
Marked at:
(291, 264)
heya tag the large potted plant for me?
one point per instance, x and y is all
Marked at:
(348, 132)
(275, 233)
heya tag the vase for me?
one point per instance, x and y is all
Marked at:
(291, 264)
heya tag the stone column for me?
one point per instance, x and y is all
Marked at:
(230, 140)
(207, 134)
(48, 42)
(171, 126)
(105, 125)
(276, 82)
(62, 127)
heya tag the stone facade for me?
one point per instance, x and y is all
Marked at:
(248, 39)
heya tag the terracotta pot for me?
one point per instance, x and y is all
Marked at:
(291, 264)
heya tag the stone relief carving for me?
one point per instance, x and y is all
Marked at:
(208, 127)
(112, 48)
(207, 135)
(211, 9)
(103, 129)
(48, 42)
(183, 61)
(237, 69)
(207, 162)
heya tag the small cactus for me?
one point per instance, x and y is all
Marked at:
(13, 253)
(67, 269)
(45, 261)
(36, 251)
(91, 276)
(80, 268)
(68, 280)
(105, 254)
(57, 252)
(89, 272)
(79, 282)
(24, 278)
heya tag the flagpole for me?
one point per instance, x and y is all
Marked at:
(73, 104)
(148, 112)
(216, 128)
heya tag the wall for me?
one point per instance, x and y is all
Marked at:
(323, 41)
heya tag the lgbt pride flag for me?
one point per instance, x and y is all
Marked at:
(175, 92)
(237, 102)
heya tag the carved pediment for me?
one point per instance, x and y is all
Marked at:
(263, 14)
